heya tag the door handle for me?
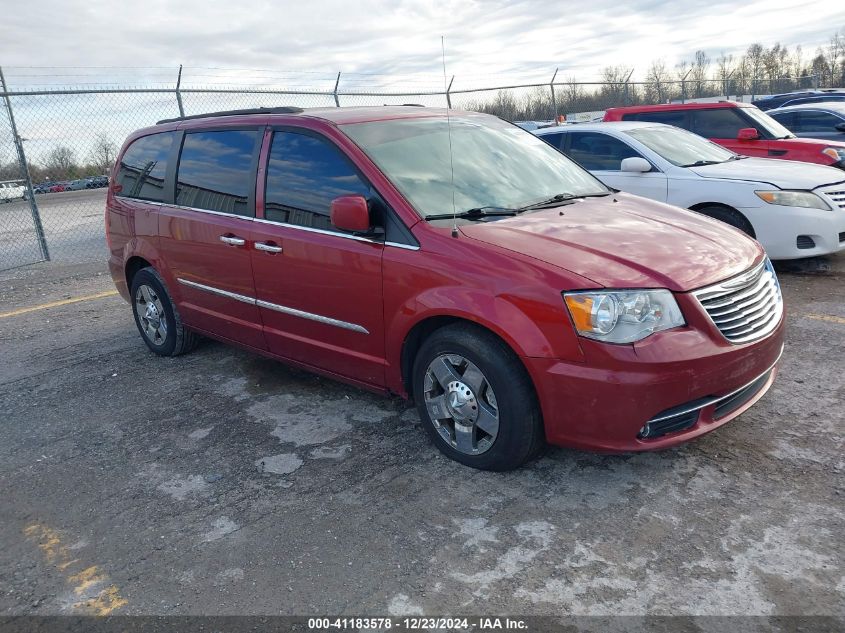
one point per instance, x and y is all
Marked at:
(231, 240)
(268, 247)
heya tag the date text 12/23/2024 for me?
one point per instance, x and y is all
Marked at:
(416, 623)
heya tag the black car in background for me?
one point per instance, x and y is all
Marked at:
(800, 96)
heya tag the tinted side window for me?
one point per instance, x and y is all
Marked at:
(670, 117)
(555, 140)
(304, 175)
(596, 151)
(143, 167)
(787, 119)
(809, 121)
(718, 123)
(216, 171)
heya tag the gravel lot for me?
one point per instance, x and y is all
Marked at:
(73, 226)
(224, 483)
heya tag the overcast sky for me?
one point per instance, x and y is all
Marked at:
(484, 40)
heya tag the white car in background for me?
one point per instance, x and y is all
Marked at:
(793, 209)
(11, 190)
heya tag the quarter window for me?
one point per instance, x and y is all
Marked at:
(304, 175)
(599, 152)
(143, 167)
(216, 171)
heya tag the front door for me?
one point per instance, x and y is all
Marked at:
(602, 155)
(204, 237)
(319, 290)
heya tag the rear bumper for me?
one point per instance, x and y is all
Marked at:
(604, 404)
(118, 275)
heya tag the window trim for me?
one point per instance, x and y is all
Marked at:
(253, 167)
(166, 189)
(409, 241)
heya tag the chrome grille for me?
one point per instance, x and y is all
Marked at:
(837, 197)
(746, 307)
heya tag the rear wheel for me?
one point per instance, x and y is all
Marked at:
(476, 400)
(728, 216)
(156, 316)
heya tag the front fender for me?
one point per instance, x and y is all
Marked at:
(532, 322)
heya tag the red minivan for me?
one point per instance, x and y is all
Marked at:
(741, 127)
(458, 261)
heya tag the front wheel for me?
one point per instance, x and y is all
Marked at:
(156, 316)
(476, 400)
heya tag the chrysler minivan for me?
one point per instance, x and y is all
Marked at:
(451, 258)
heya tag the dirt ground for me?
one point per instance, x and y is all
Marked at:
(223, 483)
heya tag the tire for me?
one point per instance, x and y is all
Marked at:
(728, 216)
(460, 399)
(165, 336)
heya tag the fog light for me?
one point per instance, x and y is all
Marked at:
(644, 432)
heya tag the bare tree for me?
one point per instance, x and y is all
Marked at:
(700, 72)
(103, 153)
(61, 162)
(658, 77)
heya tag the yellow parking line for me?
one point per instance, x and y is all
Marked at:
(826, 317)
(54, 304)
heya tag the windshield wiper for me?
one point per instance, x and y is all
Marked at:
(560, 199)
(738, 157)
(702, 163)
(476, 212)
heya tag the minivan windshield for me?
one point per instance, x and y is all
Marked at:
(680, 147)
(495, 164)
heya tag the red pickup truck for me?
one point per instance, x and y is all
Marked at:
(741, 127)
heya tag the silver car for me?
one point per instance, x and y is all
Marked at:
(825, 120)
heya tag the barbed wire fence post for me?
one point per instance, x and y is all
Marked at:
(24, 171)
(336, 85)
(179, 92)
(554, 99)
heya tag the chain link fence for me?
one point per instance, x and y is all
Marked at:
(57, 146)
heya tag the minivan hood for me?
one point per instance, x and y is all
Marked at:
(630, 243)
(784, 174)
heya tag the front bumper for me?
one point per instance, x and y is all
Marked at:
(796, 232)
(604, 403)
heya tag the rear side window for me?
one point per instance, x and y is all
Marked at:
(217, 171)
(670, 117)
(718, 123)
(815, 121)
(599, 152)
(304, 175)
(555, 140)
(143, 167)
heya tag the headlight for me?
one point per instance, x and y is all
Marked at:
(806, 199)
(836, 153)
(623, 316)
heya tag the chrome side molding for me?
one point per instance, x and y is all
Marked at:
(319, 318)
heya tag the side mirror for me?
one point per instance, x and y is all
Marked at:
(748, 134)
(636, 164)
(350, 213)
(840, 127)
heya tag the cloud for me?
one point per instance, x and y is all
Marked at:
(485, 40)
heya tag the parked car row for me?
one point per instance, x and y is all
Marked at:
(94, 182)
(793, 209)
(12, 190)
(459, 261)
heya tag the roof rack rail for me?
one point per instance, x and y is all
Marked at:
(279, 110)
